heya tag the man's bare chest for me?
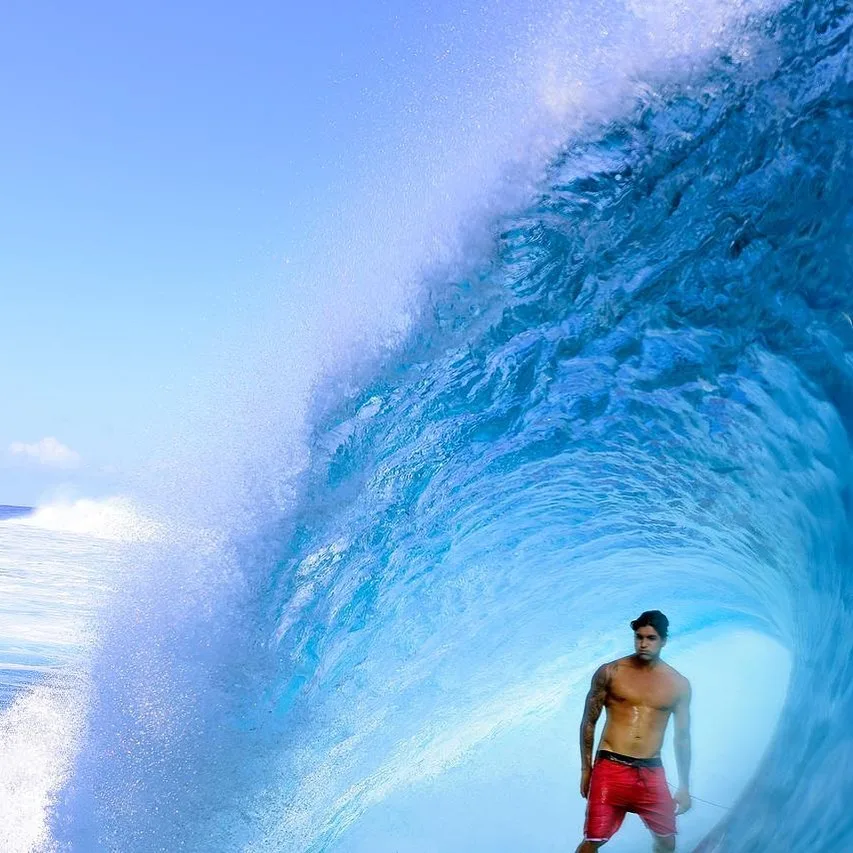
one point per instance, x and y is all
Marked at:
(641, 690)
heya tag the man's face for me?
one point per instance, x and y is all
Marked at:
(647, 643)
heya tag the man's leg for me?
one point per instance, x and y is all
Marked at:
(656, 808)
(664, 844)
(604, 811)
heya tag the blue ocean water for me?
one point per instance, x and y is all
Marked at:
(641, 395)
(14, 512)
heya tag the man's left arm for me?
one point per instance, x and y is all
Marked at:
(682, 751)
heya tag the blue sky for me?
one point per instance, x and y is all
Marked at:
(159, 164)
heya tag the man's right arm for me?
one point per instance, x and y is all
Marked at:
(595, 700)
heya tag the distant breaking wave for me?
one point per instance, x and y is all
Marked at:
(111, 518)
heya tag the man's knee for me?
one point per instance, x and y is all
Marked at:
(664, 844)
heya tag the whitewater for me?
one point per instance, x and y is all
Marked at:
(363, 617)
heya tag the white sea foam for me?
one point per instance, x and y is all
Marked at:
(113, 518)
(38, 736)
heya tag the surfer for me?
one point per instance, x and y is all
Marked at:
(640, 693)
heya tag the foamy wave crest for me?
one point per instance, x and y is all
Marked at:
(115, 518)
(38, 733)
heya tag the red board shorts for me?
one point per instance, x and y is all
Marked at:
(621, 784)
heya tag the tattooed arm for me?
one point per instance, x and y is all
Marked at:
(595, 700)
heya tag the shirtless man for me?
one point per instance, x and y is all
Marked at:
(640, 692)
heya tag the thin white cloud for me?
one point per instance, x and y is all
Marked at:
(49, 451)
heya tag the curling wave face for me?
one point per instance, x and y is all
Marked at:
(644, 396)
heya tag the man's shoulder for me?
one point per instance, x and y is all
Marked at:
(606, 671)
(682, 682)
(613, 666)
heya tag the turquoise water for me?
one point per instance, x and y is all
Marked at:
(639, 395)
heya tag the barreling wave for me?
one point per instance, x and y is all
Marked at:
(643, 395)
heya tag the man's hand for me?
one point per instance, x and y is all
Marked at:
(585, 775)
(683, 801)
